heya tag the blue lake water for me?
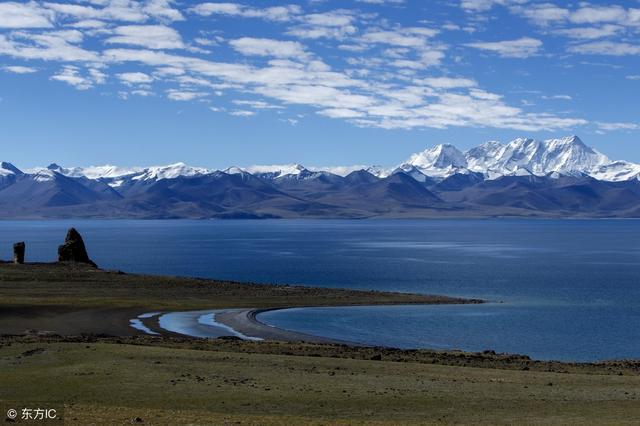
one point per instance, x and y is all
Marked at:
(570, 289)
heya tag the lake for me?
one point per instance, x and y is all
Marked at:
(559, 289)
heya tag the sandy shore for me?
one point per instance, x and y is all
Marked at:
(245, 322)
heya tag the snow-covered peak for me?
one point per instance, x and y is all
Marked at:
(617, 171)
(439, 157)
(412, 171)
(95, 172)
(7, 169)
(567, 156)
(378, 171)
(43, 175)
(234, 170)
(277, 171)
(484, 157)
(339, 170)
(171, 171)
(440, 161)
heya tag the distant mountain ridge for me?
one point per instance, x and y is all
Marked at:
(525, 177)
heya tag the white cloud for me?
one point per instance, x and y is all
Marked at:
(586, 33)
(268, 47)
(484, 5)
(180, 95)
(405, 37)
(341, 113)
(257, 104)
(275, 13)
(48, 46)
(336, 24)
(633, 77)
(118, 10)
(558, 97)
(394, 2)
(24, 15)
(71, 75)
(89, 24)
(521, 48)
(542, 14)
(609, 48)
(133, 78)
(448, 83)
(150, 36)
(242, 113)
(19, 69)
(162, 9)
(617, 126)
(113, 10)
(591, 14)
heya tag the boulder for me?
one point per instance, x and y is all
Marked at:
(18, 252)
(73, 249)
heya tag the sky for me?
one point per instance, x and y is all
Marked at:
(317, 82)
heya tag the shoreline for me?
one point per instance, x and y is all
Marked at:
(67, 300)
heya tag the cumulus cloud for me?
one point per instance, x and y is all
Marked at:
(268, 47)
(181, 95)
(521, 48)
(118, 10)
(275, 13)
(133, 78)
(73, 77)
(19, 69)
(149, 36)
(24, 15)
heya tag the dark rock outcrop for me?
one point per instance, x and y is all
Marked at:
(73, 249)
(18, 252)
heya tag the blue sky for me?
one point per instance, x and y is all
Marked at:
(85, 82)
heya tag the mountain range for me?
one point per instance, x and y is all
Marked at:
(525, 177)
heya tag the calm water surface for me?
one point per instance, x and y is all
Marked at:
(569, 289)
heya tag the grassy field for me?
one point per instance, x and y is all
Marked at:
(102, 382)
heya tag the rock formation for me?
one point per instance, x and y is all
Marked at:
(73, 249)
(18, 253)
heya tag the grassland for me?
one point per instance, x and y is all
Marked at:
(111, 383)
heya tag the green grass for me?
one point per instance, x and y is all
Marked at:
(113, 383)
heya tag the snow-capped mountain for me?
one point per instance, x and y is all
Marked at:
(277, 171)
(552, 178)
(520, 157)
(439, 157)
(565, 156)
(95, 172)
(171, 171)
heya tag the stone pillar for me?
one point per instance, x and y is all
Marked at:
(18, 252)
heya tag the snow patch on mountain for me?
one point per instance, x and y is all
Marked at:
(8, 169)
(171, 171)
(276, 170)
(95, 172)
